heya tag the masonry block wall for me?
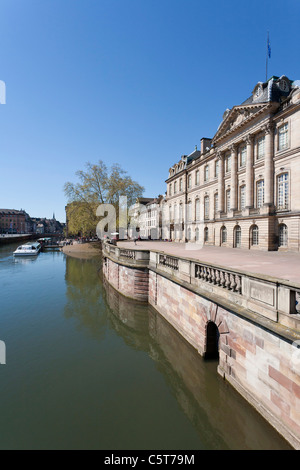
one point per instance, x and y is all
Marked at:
(131, 282)
(261, 366)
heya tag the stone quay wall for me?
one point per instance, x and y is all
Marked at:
(258, 333)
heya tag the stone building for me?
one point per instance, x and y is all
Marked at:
(241, 189)
(145, 218)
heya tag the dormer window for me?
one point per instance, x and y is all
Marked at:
(257, 91)
(283, 85)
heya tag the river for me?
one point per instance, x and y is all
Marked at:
(87, 368)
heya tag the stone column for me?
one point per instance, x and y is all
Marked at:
(269, 165)
(234, 183)
(221, 189)
(249, 172)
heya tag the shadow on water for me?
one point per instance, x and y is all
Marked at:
(221, 417)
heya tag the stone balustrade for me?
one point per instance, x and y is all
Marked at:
(257, 319)
(127, 256)
(272, 298)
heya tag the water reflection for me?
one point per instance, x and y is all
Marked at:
(24, 259)
(221, 417)
(84, 293)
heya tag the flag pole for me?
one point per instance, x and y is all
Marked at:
(267, 53)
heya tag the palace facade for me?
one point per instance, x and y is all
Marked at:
(241, 189)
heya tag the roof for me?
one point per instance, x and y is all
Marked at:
(192, 156)
(11, 211)
(144, 200)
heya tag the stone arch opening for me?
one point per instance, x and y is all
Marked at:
(212, 341)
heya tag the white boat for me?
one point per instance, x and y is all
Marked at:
(29, 249)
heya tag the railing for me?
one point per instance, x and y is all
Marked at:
(112, 249)
(219, 277)
(168, 261)
(275, 299)
(127, 253)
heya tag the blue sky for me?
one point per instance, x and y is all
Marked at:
(134, 82)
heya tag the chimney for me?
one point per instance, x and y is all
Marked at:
(205, 143)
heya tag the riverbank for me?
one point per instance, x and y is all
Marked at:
(90, 249)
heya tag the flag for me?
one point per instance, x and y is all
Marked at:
(269, 47)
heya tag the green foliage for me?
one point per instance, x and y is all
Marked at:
(98, 184)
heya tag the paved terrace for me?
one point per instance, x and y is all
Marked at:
(282, 265)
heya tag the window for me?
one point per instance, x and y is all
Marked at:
(217, 168)
(170, 190)
(283, 191)
(189, 211)
(197, 209)
(242, 197)
(237, 236)
(180, 184)
(189, 234)
(175, 212)
(206, 234)
(260, 147)
(223, 235)
(228, 163)
(175, 187)
(180, 213)
(283, 235)
(283, 137)
(206, 207)
(243, 155)
(189, 181)
(260, 193)
(170, 213)
(216, 203)
(254, 235)
(228, 200)
(197, 177)
(197, 234)
(206, 176)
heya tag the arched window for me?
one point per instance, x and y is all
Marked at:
(283, 235)
(206, 207)
(223, 234)
(197, 209)
(216, 203)
(189, 234)
(206, 234)
(237, 235)
(180, 212)
(254, 235)
(175, 213)
(189, 211)
(197, 234)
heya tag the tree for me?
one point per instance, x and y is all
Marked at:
(97, 185)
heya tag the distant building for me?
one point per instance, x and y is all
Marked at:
(40, 228)
(241, 189)
(145, 218)
(15, 221)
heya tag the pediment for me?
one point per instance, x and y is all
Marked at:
(237, 117)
